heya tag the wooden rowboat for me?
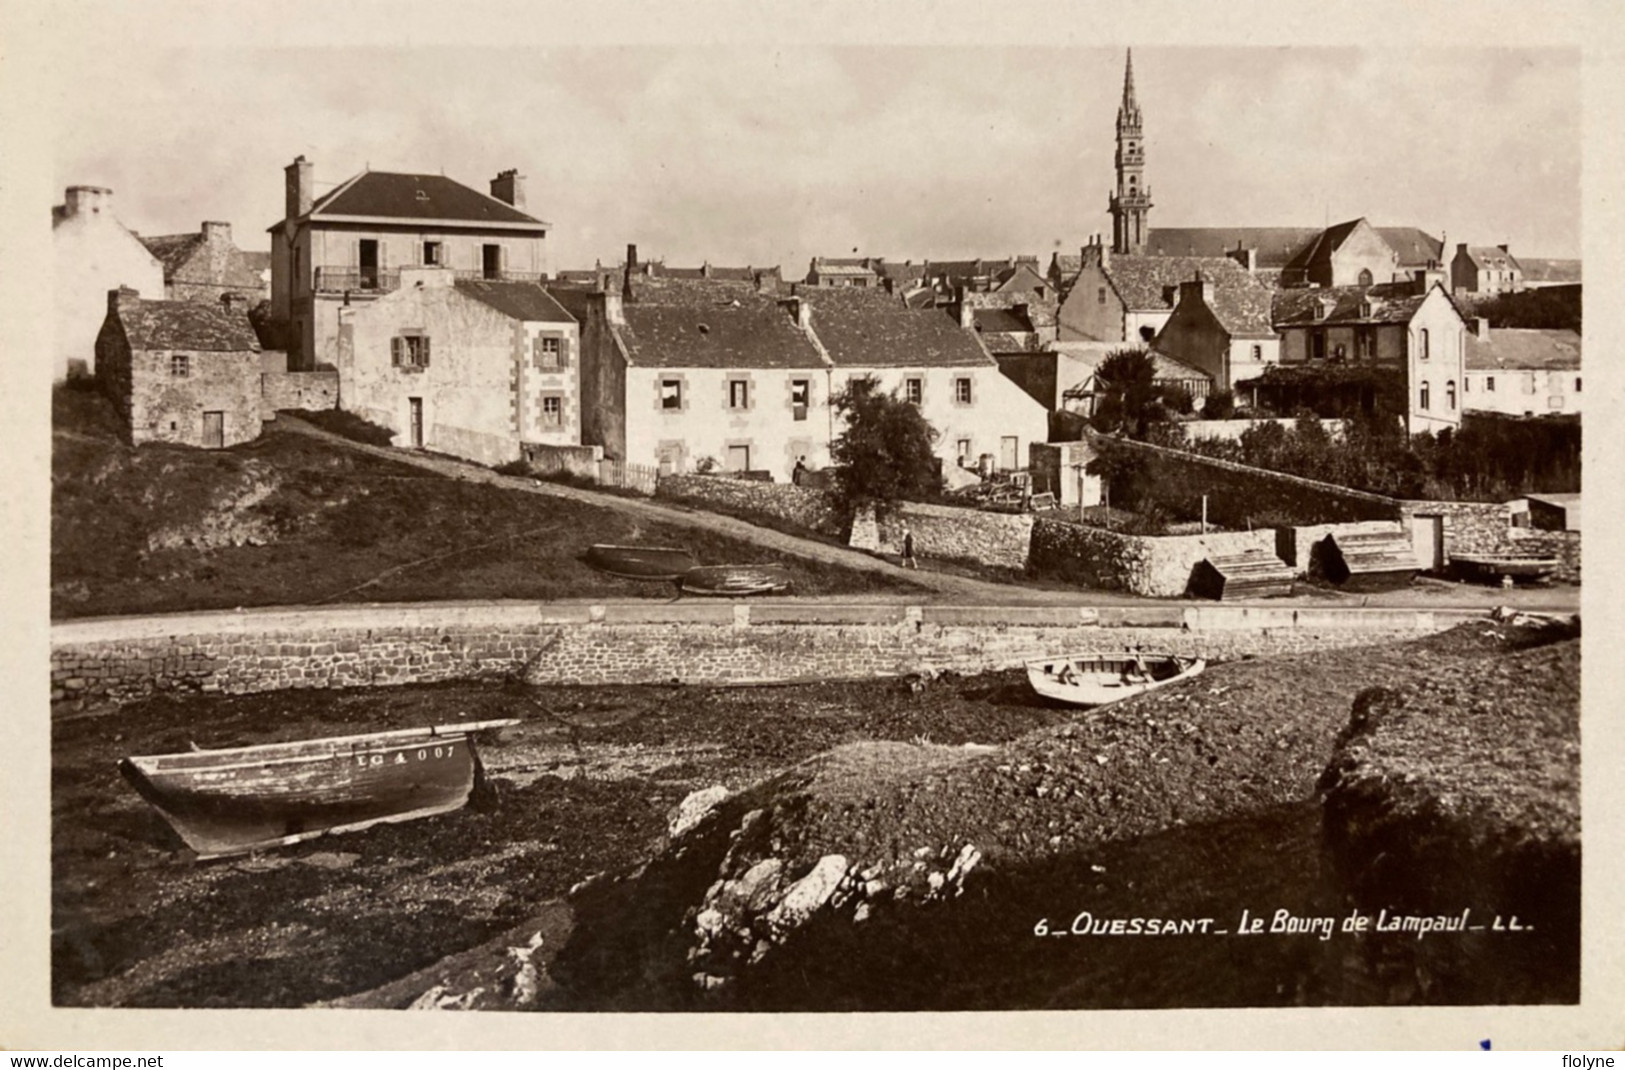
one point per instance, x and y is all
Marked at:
(640, 562)
(736, 580)
(230, 801)
(1097, 679)
(1502, 568)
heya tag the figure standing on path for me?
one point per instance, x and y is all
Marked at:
(908, 549)
(799, 471)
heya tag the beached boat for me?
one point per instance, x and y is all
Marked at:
(1096, 679)
(1504, 568)
(230, 801)
(640, 562)
(735, 579)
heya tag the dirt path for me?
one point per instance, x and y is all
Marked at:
(1426, 593)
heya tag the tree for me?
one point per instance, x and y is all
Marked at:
(885, 453)
(1129, 399)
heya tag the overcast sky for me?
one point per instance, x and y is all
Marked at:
(769, 154)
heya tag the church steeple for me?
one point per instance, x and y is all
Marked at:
(1130, 203)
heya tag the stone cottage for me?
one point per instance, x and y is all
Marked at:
(205, 265)
(181, 372)
(92, 253)
(475, 368)
(1225, 333)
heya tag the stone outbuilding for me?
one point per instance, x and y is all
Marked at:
(181, 372)
(207, 265)
(93, 253)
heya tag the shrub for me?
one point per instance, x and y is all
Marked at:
(706, 465)
(1220, 405)
(517, 467)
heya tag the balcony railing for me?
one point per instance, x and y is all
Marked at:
(383, 280)
(352, 279)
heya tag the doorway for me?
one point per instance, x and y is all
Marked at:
(416, 405)
(738, 458)
(491, 261)
(367, 259)
(1009, 452)
(214, 430)
(1427, 539)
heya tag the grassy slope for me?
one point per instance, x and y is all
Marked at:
(288, 520)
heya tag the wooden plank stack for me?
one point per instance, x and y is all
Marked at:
(1249, 574)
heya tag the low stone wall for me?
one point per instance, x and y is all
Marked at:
(1232, 430)
(1563, 545)
(1296, 545)
(946, 533)
(1239, 495)
(298, 390)
(1469, 527)
(1156, 566)
(549, 460)
(770, 503)
(574, 643)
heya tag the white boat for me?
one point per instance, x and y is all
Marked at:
(1096, 679)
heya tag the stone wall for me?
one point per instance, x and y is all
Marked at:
(550, 460)
(1156, 566)
(658, 643)
(1563, 545)
(1469, 527)
(946, 533)
(1232, 430)
(298, 390)
(1240, 496)
(772, 504)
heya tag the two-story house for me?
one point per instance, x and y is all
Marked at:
(1407, 339)
(475, 368)
(1521, 372)
(92, 253)
(935, 361)
(348, 246)
(1485, 269)
(1128, 298)
(1225, 333)
(205, 265)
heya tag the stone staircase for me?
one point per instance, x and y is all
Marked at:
(1250, 574)
(1367, 561)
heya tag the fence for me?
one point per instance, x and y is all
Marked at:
(636, 477)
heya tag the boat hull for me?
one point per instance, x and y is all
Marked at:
(640, 562)
(735, 580)
(1497, 569)
(1101, 679)
(225, 802)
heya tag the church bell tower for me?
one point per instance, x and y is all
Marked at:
(1130, 203)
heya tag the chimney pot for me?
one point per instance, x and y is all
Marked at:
(215, 231)
(509, 187)
(91, 199)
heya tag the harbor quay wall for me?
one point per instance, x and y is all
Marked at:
(728, 643)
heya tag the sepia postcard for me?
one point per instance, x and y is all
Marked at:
(812, 525)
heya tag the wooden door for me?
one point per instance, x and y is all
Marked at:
(214, 430)
(1427, 539)
(417, 422)
(1008, 450)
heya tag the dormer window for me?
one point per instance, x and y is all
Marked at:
(423, 198)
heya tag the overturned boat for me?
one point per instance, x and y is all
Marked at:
(1097, 679)
(231, 801)
(640, 562)
(1505, 569)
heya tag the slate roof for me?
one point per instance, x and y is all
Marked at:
(1080, 361)
(1240, 301)
(901, 273)
(1391, 303)
(525, 301)
(1278, 247)
(186, 325)
(172, 250)
(257, 261)
(1001, 319)
(755, 334)
(1490, 256)
(391, 195)
(175, 252)
(692, 292)
(1542, 269)
(1508, 349)
(873, 330)
(574, 299)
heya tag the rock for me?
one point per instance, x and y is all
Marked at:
(692, 810)
(439, 998)
(809, 893)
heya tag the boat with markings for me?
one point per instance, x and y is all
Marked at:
(1099, 679)
(239, 799)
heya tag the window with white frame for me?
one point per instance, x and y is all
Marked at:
(1450, 395)
(410, 351)
(671, 394)
(549, 351)
(180, 365)
(963, 452)
(800, 393)
(738, 394)
(552, 410)
(962, 390)
(1422, 346)
(913, 390)
(1423, 404)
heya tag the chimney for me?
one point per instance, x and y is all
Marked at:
(614, 309)
(1481, 327)
(627, 295)
(1247, 258)
(235, 303)
(765, 283)
(1461, 248)
(1504, 249)
(509, 187)
(299, 186)
(1198, 288)
(92, 200)
(705, 269)
(215, 233)
(800, 310)
(967, 314)
(123, 300)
